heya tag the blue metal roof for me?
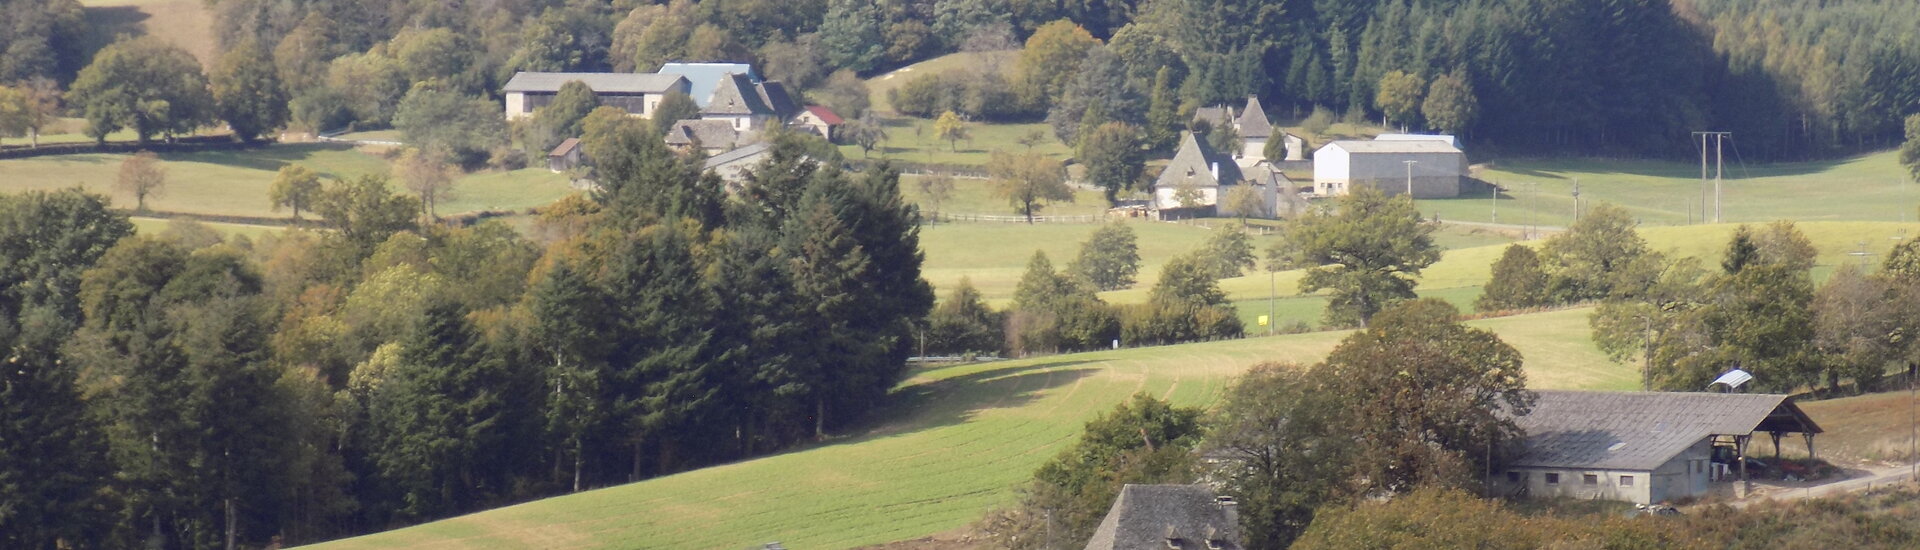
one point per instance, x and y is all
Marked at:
(706, 76)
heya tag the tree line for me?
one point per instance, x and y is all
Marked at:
(1060, 310)
(185, 389)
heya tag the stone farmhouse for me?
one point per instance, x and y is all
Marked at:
(638, 93)
(1198, 179)
(1251, 124)
(1429, 168)
(1162, 517)
(1643, 447)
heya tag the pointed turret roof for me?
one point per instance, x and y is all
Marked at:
(1253, 120)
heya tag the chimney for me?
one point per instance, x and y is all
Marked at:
(1230, 509)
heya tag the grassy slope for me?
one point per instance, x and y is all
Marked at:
(187, 24)
(236, 182)
(1867, 187)
(1871, 427)
(963, 437)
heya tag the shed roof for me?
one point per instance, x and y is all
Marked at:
(1157, 517)
(1216, 116)
(566, 146)
(1642, 430)
(747, 153)
(704, 77)
(1359, 147)
(650, 83)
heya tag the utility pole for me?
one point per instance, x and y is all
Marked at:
(1496, 203)
(1410, 164)
(1576, 199)
(1272, 289)
(1719, 162)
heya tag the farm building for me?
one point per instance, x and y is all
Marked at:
(1431, 168)
(564, 157)
(711, 136)
(1197, 180)
(1643, 447)
(1162, 517)
(637, 93)
(1251, 124)
(731, 166)
(748, 104)
(817, 119)
(1448, 139)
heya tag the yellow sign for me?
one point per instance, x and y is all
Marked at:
(1263, 320)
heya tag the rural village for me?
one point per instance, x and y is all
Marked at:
(959, 274)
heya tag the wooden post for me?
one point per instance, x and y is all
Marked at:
(1740, 454)
(1809, 436)
(1776, 443)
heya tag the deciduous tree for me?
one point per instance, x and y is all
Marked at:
(1028, 181)
(949, 127)
(1367, 252)
(1451, 106)
(427, 174)
(1113, 157)
(1110, 258)
(144, 84)
(248, 93)
(1399, 97)
(142, 176)
(1517, 282)
(296, 187)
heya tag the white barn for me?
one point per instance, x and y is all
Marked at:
(1437, 167)
(1642, 447)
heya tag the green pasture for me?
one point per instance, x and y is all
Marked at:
(975, 196)
(1540, 191)
(235, 183)
(961, 437)
(911, 139)
(877, 87)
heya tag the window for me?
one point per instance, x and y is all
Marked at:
(1553, 479)
(1626, 481)
(1513, 477)
(1590, 479)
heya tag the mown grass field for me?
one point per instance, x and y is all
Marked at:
(187, 24)
(976, 197)
(961, 438)
(1539, 191)
(235, 183)
(911, 139)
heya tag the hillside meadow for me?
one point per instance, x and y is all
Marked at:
(235, 183)
(955, 444)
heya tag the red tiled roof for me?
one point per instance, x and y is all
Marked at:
(826, 115)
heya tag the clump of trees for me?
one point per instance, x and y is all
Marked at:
(186, 390)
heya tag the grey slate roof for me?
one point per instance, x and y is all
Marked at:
(744, 153)
(1157, 517)
(737, 94)
(703, 77)
(1197, 160)
(650, 83)
(710, 133)
(1642, 430)
(1253, 120)
(774, 95)
(1215, 116)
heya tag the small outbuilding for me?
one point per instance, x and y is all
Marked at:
(564, 157)
(817, 119)
(1163, 517)
(1643, 447)
(711, 137)
(1429, 169)
(731, 166)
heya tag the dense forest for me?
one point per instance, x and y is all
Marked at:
(1790, 78)
(184, 390)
